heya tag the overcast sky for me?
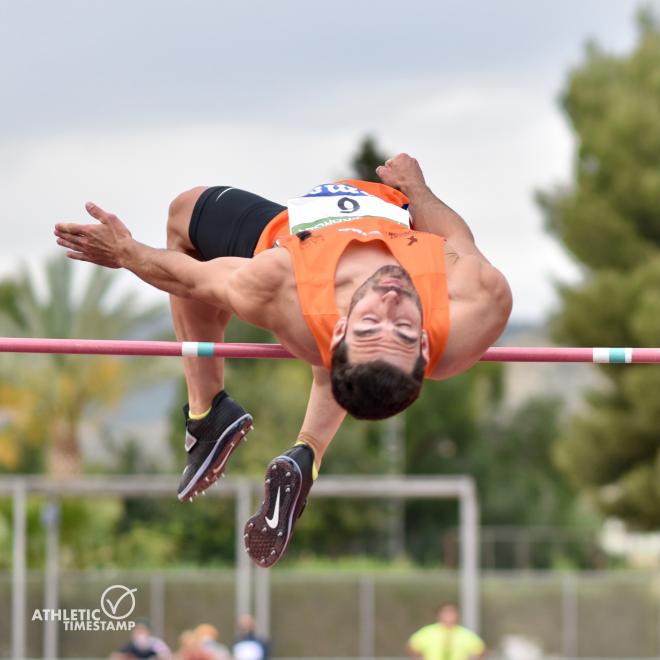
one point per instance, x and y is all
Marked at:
(128, 103)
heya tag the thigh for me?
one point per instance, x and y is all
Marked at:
(227, 222)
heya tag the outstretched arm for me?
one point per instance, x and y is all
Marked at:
(111, 244)
(428, 212)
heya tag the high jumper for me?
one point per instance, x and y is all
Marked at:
(375, 285)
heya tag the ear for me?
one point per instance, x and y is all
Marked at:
(425, 345)
(338, 332)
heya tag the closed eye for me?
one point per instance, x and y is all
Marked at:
(365, 333)
(409, 340)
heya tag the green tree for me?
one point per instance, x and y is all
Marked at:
(609, 220)
(366, 159)
(47, 395)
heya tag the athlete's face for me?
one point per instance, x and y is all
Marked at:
(384, 321)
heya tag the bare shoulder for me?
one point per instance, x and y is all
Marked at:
(479, 311)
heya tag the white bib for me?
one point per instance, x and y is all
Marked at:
(332, 203)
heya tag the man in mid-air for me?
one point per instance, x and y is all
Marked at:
(375, 285)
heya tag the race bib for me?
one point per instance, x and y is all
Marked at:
(333, 203)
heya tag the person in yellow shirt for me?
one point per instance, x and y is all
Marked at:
(446, 639)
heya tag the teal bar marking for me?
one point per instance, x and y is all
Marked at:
(205, 349)
(618, 355)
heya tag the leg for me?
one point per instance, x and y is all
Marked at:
(214, 422)
(193, 320)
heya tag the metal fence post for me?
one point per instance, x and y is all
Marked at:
(243, 563)
(51, 521)
(157, 604)
(367, 617)
(19, 572)
(469, 555)
(569, 614)
(262, 601)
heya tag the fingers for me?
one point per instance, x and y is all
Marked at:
(98, 213)
(77, 256)
(71, 229)
(70, 242)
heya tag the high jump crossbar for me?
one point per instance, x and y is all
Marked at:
(603, 355)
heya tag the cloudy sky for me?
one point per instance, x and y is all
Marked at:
(128, 103)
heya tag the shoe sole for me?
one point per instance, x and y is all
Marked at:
(213, 466)
(264, 542)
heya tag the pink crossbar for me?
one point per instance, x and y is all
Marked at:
(236, 350)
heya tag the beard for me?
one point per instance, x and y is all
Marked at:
(406, 288)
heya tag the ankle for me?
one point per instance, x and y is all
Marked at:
(199, 406)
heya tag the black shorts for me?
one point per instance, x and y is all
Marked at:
(227, 222)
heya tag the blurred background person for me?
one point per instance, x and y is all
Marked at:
(248, 646)
(208, 640)
(143, 645)
(446, 639)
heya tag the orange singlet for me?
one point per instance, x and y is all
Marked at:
(315, 255)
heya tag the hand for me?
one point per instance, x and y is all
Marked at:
(102, 244)
(402, 172)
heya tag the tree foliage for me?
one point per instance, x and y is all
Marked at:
(609, 220)
(48, 394)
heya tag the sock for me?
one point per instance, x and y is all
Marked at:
(196, 416)
(221, 395)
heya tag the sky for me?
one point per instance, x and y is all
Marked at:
(128, 103)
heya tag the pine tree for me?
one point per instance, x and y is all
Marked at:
(609, 220)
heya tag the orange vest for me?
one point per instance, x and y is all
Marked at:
(315, 262)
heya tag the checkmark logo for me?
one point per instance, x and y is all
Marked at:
(272, 522)
(118, 601)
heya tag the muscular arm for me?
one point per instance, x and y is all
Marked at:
(428, 212)
(181, 275)
(480, 309)
(110, 244)
(480, 295)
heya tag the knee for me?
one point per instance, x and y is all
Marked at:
(178, 219)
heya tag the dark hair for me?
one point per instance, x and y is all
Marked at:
(376, 389)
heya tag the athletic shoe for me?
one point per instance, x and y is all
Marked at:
(210, 442)
(288, 480)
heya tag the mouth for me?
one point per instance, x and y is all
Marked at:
(393, 284)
